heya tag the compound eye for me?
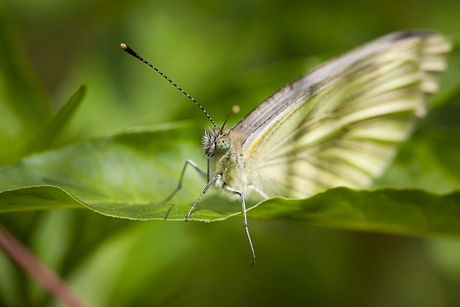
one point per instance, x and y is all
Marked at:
(223, 143)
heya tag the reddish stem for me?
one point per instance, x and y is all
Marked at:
(27, 261)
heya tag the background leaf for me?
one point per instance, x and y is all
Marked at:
(23, 104)
(45, 136)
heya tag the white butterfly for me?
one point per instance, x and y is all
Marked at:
(337, 125)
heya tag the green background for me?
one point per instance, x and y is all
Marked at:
(221, 53)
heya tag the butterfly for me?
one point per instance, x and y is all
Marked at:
(337, 125)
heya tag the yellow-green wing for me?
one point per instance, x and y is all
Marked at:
(340, 124)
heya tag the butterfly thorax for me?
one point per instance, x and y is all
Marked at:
(225, 157)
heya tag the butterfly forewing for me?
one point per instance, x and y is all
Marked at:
(339, 124)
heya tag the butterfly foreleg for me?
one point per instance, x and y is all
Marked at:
(202, 193)
(182, 177)
(245, 218)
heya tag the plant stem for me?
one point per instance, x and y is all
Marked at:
(27, 261)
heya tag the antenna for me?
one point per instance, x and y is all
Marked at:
(133, 53)
(235, 110)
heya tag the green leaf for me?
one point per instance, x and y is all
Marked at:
(409, 212)
(45, 136)
(37, 198)
(127, 175)
(124, 175)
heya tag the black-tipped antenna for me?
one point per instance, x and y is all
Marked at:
(133, 53)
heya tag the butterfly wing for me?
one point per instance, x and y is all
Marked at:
(339, 124)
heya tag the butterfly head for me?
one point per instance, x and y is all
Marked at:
(216, 141)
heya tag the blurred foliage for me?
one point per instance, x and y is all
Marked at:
(222, 53)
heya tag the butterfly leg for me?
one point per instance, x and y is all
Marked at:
(258, 191)
(245, 218)
(182, 177)
(202, 193)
